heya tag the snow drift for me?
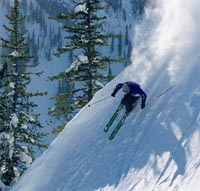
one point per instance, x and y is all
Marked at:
(158, 148)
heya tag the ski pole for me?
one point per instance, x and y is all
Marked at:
(156, 97)
(98, 101)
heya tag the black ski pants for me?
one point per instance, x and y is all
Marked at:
(128, 100)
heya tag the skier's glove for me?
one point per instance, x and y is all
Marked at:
(112, 94)
(142, 106)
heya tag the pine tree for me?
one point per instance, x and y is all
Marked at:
(126, 40)
(87, 73)
(138, 7)
(120, 45)
(20, 129)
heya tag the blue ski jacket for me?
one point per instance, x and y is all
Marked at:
(134, 90)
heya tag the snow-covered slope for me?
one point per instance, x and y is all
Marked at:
(158, 148)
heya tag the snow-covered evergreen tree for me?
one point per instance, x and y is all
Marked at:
(89, 71)
(19, 126)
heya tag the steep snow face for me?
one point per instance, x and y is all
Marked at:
(167, 37)
(158, 148)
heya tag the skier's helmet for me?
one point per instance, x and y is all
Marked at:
(125, 88)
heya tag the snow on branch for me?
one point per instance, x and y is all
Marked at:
(12, 85)
(98, 83)
(26, 159)
(15, 54)
(14, 120)
(81, 8)
(81, 59)
(28, 117)
(1, 67)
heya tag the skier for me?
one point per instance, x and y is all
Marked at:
(131, 90)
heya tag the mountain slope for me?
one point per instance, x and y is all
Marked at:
(157, 149)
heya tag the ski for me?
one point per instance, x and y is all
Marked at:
(110, 122)
(118, 126)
